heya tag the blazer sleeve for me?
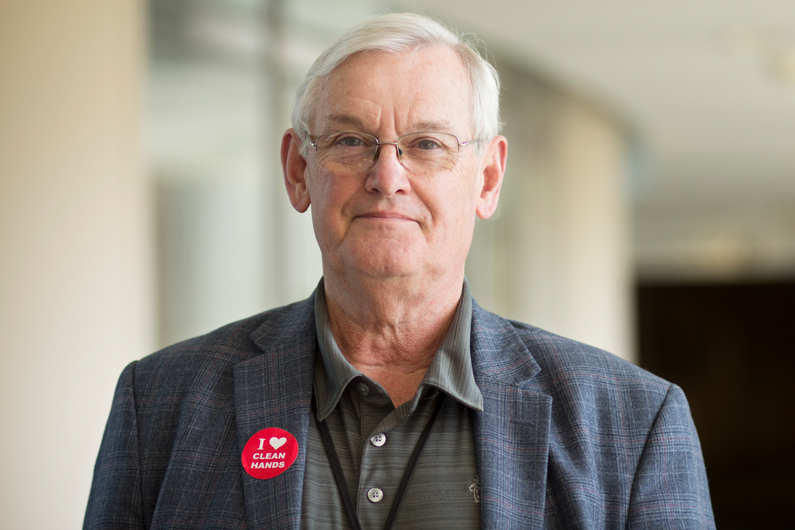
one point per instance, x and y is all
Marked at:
(670, 486)
(115, 501)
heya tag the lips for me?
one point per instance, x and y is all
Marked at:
(387, 216)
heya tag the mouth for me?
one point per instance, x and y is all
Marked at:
(384, 216)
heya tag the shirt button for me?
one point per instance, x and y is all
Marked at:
(363, 389)
(375, 495)
(378, 440)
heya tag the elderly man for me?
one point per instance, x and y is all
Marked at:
(389, 398)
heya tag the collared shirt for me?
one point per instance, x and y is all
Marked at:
(374, 440)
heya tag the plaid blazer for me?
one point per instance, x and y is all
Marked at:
(570, 436)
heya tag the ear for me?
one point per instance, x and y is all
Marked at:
(493, 170)
(294, 170)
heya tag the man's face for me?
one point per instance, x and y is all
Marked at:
(384, 221)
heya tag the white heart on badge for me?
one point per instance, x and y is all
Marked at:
(277, 442)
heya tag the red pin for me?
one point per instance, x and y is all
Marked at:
(269, 453)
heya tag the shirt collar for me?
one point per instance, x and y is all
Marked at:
(333, 372)
(450, 371)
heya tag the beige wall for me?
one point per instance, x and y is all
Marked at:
(74, 253)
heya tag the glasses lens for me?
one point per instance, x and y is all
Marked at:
(346, 149)
(428, 151)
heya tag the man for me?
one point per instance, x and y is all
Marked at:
(389, 398)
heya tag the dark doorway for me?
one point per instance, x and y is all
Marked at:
(730, 347)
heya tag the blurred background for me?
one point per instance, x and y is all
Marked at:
(648, 207)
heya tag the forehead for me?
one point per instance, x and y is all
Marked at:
(379, 92)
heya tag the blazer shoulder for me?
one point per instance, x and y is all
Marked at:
(594, 388)
(563, 358)
(215, 354)
(523, 354)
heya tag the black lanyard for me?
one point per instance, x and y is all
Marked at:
(336, 467)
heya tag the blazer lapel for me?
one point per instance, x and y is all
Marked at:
(512, 432)
(275, 390)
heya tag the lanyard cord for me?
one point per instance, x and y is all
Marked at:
(339, 477)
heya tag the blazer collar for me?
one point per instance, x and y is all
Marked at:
(275, 390)
(498, 353)
(512, 432)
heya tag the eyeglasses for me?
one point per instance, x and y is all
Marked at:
(420, 152)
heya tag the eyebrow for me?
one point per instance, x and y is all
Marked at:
(346, 120)
(433, 126)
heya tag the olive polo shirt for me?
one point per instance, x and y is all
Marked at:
(374, 440)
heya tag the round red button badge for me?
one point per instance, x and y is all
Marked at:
(269, 453)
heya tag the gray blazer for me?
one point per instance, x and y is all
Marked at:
(570, 436)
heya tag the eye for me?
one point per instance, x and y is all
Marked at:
(427, 143)
(349, 140)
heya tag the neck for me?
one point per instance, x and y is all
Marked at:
(390, 330)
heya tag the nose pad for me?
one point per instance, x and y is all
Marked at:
(398, 151)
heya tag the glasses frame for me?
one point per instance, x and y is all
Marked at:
(379, 142)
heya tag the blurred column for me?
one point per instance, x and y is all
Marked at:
(555, 254)
(75, 289)
(293, 262)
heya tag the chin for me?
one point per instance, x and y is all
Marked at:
(386, 259)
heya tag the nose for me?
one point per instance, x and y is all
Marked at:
(387, 174)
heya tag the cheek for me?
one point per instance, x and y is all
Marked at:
(461, 208)
(321, 188)
(329, 196)
(459, 197)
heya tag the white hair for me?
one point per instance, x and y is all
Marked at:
(397, 33)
